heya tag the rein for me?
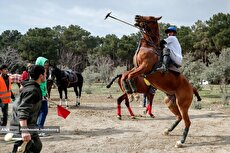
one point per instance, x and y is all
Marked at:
(150, 34)
(148, 37)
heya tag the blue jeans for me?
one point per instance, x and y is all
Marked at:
(144, 101)
(42, 114)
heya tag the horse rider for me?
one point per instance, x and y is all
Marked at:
(171, 49)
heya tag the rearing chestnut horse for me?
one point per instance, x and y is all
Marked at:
(179, 91)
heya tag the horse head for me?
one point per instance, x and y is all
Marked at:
(55, 72)
(149, 29)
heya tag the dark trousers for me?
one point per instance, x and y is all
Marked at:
(42, 114)
(33, 146)
(5, 114)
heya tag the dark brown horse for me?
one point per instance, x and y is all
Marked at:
(179, 91)
(142, 87)
(67, 79)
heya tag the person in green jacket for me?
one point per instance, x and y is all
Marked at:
(44, 108)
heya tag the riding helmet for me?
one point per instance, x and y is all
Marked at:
(170, 29)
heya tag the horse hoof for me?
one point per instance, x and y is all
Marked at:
(152, 116)
(133, 117)
(179, 144)
(77, 104)
(119, 117)
(144, 112)
(166, 132)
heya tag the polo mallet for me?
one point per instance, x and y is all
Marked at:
(22, 148)
(109, 15)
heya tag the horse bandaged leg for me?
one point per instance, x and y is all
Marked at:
(166, 132)
(132, 85)
(130, 97)
(126, 87)
(136, 97)
(184, 136)
(185, 133)
(129, 109)
(61, 100)
(77, 101)
(66, 103)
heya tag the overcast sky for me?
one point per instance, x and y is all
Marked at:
(89, 14)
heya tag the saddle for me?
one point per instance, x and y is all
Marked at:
(174, 68)
(71, 76)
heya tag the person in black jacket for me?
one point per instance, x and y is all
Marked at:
(26, 109)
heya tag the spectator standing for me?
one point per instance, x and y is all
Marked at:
(5, 93)
(44, 108)
(26, 109)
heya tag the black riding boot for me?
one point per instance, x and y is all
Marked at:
(165, 62)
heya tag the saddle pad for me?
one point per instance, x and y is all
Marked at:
(174, 68)
(71, 76)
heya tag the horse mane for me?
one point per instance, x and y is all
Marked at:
(58, 73)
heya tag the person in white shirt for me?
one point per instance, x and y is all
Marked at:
(171, 49)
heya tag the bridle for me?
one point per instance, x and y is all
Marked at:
(146, 30)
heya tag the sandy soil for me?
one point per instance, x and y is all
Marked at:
(93, 127)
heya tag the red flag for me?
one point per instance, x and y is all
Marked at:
(62, 111)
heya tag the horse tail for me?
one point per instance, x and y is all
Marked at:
(196, 94)
(118, 76)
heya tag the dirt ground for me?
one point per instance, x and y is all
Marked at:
(93, 127)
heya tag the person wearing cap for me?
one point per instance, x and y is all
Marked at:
(5, 93)
(26, 110)
(171, 49)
